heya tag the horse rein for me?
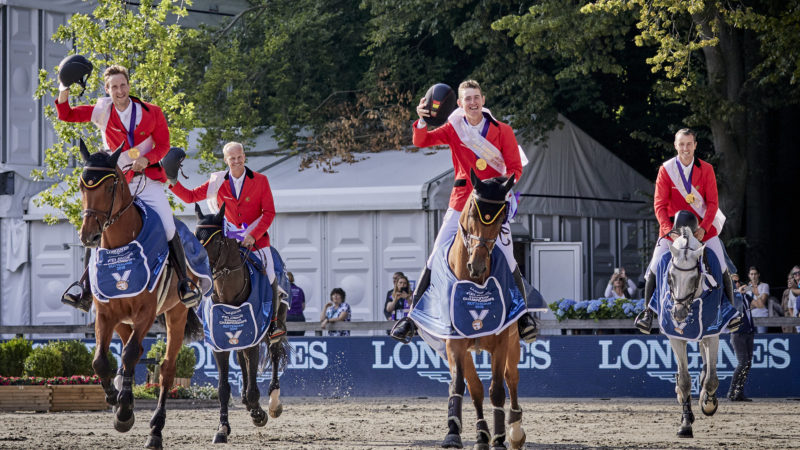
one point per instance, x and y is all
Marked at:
(225, 271)
(90, 185)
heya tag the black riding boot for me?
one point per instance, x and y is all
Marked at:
(404, 329)
(644, 321)
(727, 283)
(735, 381)
(526, 323)
(82, 300)
(187, 289)
(277, 328)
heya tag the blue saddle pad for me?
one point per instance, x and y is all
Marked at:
(709, 314)
(227, 327)
(477, 310)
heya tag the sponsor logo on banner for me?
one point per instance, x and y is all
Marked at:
(656, 358)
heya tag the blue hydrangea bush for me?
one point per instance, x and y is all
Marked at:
(601, 308)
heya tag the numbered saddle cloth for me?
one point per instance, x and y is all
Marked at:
(709, 314)
(450, 308)
(229, 327)
(129, 270)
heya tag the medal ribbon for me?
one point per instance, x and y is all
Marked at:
(687, 184)
(132, 126)
(233, 186)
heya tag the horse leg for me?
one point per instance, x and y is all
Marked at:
(497, 394)
(476, 392)
(224, 389)
(103, 331)
(176, 323)
(708, 393)
(456, 349)
(683, 386)
(277, 353)
(124, 331)
(516, 434)
(131, 352)
(258, 415)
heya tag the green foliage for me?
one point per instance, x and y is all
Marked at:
(151, 391)
(115, 33)
(76, 359)
(44, 361)
(14, 353)
(184, 366)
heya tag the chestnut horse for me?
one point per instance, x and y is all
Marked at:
(110, 222)
(470, 259)
(232, 286)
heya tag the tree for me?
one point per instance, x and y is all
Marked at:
(137, 38)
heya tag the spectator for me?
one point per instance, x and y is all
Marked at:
(298, 305)
(791, 298)
(394, 283)
(398, 300)
(629, 287)
(742, 343)
(335, 310)
(759, 292)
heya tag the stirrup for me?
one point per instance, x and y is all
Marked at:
(528, 331)
(403, 330)
(644, 321)
(276, 331)
(82, 301)
(734, 324)
(189, 292)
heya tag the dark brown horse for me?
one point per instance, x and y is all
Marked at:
(470, 259)
(110, 221)
(232, 286)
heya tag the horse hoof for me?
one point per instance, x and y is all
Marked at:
(516, 435)
(123, 426)
(452, 441)
(154, 442)
(220, 438)
(259, 417)
(275, 413)
(708, 404)
(685, 432)
(274, 405)
(480, 447)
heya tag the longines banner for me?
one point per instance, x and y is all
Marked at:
(555, 366)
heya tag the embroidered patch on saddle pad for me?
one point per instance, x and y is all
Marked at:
(128, 270)
(477, 310)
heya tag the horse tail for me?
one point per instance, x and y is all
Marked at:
(193, 331)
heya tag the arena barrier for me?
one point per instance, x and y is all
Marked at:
(599, 366)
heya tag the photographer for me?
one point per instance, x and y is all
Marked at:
(756, 293)
(398, 300)
(628, 288)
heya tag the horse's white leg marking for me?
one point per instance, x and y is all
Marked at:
(683, 385)
(710, 346)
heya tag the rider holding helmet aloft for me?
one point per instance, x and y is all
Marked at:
(686, 183)
(141, 129)
(480, 143)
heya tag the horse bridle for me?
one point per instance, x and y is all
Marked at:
(92, 185)
(467, 237)
(690, 295)
(226, 270)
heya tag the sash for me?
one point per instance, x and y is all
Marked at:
(479, 145)
(699, 204)
(215, 181)
(100, 116)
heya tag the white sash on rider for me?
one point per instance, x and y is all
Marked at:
(100, 115)
(479, 145)
(214, 182)
(699, 204)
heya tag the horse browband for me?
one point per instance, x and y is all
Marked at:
(92, 184)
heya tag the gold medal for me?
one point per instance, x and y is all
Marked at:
(480, 163)
(133, 153)
(689, 198)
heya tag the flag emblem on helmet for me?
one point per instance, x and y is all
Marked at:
(436, 104)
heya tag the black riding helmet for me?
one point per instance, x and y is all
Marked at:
(440, 101)
(172, 162)
(74, 69)
(685, 219)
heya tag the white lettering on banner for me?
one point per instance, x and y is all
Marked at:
(309, 355)
(779, 353)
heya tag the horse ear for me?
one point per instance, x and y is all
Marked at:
(115, 156)
(221, 214)
(509, 183)
(84, 151)
(198, 212)
(474, 178)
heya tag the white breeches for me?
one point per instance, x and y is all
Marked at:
(662, 246)
(450, 228)
(152, 193)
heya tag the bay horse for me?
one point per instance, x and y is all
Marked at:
(470, 259)
(110, 222)
(232, 286)
(685, 287)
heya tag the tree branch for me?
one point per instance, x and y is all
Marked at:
(236, 19)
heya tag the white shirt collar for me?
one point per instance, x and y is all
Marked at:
(238, 182)
(125, 116)
(686, 169)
